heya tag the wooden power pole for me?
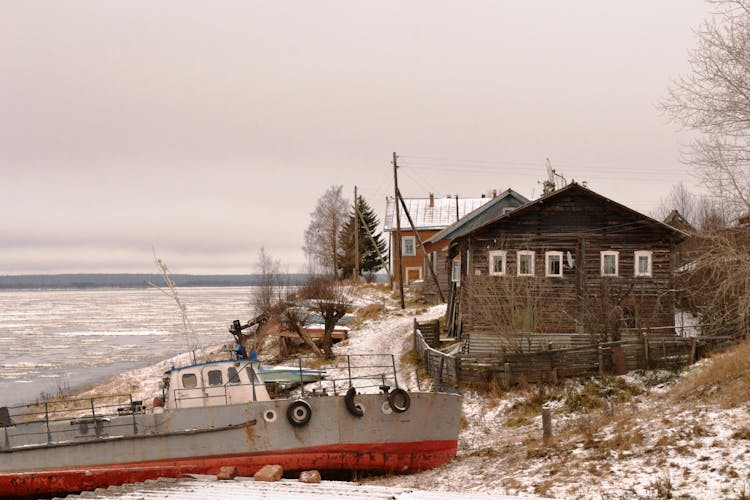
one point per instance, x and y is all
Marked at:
(356, 235)
(398, 231)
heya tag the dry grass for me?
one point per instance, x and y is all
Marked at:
(725, 380)
(368, 312)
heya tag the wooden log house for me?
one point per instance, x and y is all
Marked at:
(437, 244)
(572, 261)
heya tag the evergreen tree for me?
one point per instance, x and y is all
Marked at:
(369, 261)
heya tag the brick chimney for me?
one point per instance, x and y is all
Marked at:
(494, 194)
(432, 200)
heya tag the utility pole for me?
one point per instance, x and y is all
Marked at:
(421, 245)
(398, 231)
(356, 235)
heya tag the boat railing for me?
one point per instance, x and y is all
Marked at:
(363, 371)
(39, 418)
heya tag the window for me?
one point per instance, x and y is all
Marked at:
(508, 210)
(525, 263)
(234, 377)
(553, 263)
(413, 274)
(189, 380)
(643, 262)
(214, 377)
(456, 271)
(609, 263)
(497, 262)
(408, 245)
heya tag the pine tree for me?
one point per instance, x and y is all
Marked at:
(368, 255)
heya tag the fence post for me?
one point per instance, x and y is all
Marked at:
(506, 375)
(645, 348)
(601, 360)
(414, 333)
(546, 422)
(692, 350)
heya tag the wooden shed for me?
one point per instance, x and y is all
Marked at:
(572, 261)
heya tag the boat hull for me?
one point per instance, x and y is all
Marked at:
(201, 440)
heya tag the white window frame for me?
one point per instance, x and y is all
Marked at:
(608, 253)
(507, 210)
(636, 268)
(530, 253)
(413, 240)
(547, 256)
(492, 257)
(456, 271)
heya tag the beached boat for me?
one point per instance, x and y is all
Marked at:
(222, 413)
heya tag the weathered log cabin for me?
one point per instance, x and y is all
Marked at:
(570, 261)
(436, 246)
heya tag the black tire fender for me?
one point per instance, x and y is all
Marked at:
(299, 413)
(399, 400)
(353, 408)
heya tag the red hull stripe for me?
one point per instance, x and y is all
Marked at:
(393, 457)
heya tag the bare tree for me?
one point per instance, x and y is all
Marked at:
(714, 100)
(322, 234)
(270, 289)
(716, 286)
(332, 300)
(701, 212)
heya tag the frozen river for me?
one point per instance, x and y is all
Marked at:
(51, 339)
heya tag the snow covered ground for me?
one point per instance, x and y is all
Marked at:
(648, 445)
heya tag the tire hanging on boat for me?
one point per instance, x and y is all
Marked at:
(399, 400)
(298, 413)
(353, 408)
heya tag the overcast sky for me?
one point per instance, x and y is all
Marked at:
(206, 130)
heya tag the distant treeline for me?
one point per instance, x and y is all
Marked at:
(136, 280)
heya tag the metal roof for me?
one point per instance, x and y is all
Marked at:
(439, 214)
(488, 211)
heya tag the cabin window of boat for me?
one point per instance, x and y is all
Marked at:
(214, 377)
(252, 376)
(189, 380)
(233, 375)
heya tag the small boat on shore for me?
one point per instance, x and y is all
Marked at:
(227, 413)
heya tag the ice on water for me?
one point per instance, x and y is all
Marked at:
(51, 339)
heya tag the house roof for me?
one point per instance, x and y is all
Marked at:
(550, 198)
(488, 211)
(426, 215)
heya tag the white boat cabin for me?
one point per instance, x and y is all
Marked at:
(214, 384)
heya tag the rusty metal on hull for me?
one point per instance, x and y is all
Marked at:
(397, 458)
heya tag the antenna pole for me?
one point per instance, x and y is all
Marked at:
(398, 232)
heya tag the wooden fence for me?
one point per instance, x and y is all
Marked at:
(546, 361)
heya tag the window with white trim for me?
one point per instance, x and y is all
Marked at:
(409, 245)
(456, 271)
(643, 262)
(610, 262)
(525, 262)
(553, 264)
(497, 262)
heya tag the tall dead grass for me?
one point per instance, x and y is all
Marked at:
(724, 380)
